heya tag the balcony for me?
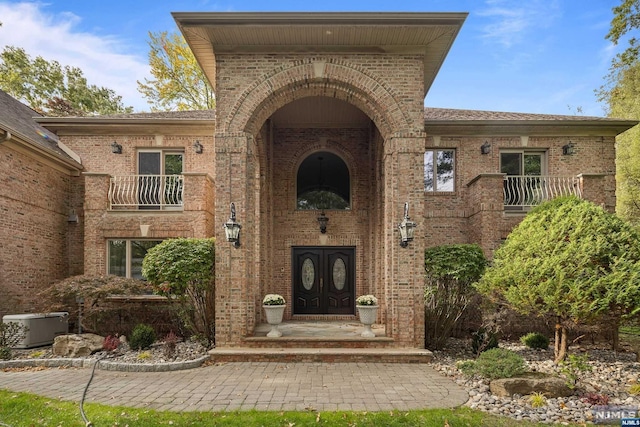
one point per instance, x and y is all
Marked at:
(150, 192)
(521, 192)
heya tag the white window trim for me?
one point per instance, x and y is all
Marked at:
(127, 253)
(435, 190)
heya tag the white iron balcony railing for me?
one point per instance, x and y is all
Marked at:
(146, 192)
(524, 191)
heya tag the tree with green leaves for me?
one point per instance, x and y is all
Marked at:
(626, 19)
(620, 93)
(183, 270)
(569, 259)
(622, 99)
(179, 83)
(54, 90)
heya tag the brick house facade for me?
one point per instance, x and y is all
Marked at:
(331, 104)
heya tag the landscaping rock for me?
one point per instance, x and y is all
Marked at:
(77, 345)
(529, 383)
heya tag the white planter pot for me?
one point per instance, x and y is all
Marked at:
(274, 318)
(368, 315)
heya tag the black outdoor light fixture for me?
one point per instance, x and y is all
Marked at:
(407, 227)
(232, 228)
(116, 148)
(198, 147)
(569, 149)
(323, 220)
(485, 148)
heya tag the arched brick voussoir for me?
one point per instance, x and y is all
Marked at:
(340, 81)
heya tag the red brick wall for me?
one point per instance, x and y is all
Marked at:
(35, 201)
(98, 224)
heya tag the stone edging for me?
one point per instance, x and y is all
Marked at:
(104, 365)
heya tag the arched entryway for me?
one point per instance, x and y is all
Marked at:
(263, 136)
(322, 166)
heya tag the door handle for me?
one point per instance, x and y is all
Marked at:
(321, 284)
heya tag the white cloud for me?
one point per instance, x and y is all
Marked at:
(103, 59)
(510, 21)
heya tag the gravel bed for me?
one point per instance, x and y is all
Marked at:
(186, 351)
(612, 375)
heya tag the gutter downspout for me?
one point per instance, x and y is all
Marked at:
(7, 137)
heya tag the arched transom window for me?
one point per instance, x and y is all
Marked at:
(323, 182)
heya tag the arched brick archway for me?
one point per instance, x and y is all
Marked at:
(334, 79)
(251, 157)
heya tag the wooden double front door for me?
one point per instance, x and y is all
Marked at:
(323, 280)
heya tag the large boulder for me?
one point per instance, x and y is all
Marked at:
(533, 382)
(75, 345)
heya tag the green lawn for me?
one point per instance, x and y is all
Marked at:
(23, 409)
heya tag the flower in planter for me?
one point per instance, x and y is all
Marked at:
(366, 300)
(273, 299)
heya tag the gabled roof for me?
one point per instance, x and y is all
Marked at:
(18, 121)
(448, 121)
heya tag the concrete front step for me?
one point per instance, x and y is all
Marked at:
(326, 355)
(317, 342)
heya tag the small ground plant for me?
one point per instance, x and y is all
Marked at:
(142, 337)
(110, 343)
(634, 389)
(538, 400)
(495, 363)
(535, 340)
(596, 399)
(170, 343)
(573, 367)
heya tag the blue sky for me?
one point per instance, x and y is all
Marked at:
(536, 56)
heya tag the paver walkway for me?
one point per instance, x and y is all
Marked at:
(252, 385)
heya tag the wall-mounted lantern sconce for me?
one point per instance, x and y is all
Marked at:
(569, 149)
(407, 227)
(323, 220)
(485, 148)
(116, 148)
(73, 216)
(198, 147)
(232, 228)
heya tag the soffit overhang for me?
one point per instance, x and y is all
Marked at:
(428, 34)
(597, 127)
(125, 126)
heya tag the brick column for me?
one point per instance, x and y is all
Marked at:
(486, 209)
(96, 203)
(404, 267)
(236, 281)
(593, 187)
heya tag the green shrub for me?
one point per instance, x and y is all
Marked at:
(183, 270)
(483, 340)
(535, 340)
(573, 367)
(450, 272)
(5, 353)
(142, 337)
(467, 367)
(499, 363)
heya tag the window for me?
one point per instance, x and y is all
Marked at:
(439, 170)
(524, 185)
(323, 183)
(125, 256)
(160, 179)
